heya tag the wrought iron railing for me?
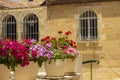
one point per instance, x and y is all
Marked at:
(91, 61)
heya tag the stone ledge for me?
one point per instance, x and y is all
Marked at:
(66, 77)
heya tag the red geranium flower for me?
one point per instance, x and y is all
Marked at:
(53, 38)
(68, 33)
(61, 45)
(47, 37)
(60, 32)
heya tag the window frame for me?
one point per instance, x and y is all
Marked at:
(9, 27)
(30, 27)
(88, 21)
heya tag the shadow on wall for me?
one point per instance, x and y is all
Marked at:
(90, 50)
(61, 11)
(69, 11)
(89, 45)
(108, 13)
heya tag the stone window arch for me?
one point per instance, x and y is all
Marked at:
(88, 26)
(9, 28)
(30, 27)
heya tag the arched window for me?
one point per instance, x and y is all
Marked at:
(9, 27)
(88, 26)
(30, 27)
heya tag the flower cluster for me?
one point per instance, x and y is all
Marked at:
(39, 53)
(62, 46)
(13, 53)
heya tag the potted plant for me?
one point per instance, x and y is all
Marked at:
(38, 54)
(63, 52)
(28, 72)
(12, 54)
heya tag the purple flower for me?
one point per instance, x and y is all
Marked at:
(39, 55)
(41, 51)
(33, 41)
(33, 48)
(49, 45)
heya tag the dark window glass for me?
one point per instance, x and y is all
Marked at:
(30, 26)
(88, 27)
(9, 28)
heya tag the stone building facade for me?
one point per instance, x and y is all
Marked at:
(55, 17)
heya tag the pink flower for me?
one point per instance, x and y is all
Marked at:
(23, 64)
(66, 47)
(34, 54)
(70, 50)
(27, 62)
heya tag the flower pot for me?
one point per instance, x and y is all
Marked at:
(4, 72)
(54, 68)
(28, 72)
(69, 66)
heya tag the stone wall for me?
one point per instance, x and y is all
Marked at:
(106, 48)
(66, 17)
(19, 15)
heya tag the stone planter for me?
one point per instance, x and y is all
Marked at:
(29, 72)
(54, 68)
(69, 66)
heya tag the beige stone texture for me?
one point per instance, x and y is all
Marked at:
(105, 49)
(66, 17)
(19, 15)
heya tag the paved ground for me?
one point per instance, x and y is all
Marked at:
(102, 73)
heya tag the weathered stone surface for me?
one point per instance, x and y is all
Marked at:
(66, 17)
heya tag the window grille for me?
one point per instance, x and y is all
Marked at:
(9, 28)
(88, 27)
(30, 27)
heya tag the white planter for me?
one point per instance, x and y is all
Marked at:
(69, 65)
(29, 72)
(55, 68)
